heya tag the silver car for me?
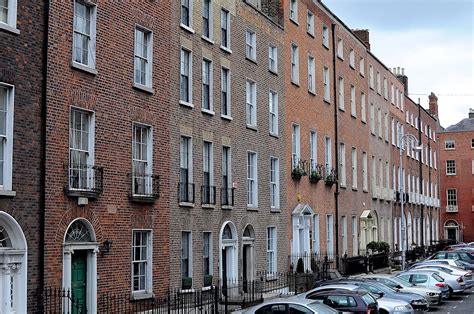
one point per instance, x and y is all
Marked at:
(453, 270)
(289, 305)
(386, 305)
(426, 278)
(455, 283)
(432, 295)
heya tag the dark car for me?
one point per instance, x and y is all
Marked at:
(357, 302)
(458, 254)
(418, 302)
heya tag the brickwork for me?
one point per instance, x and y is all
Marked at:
(21, 64)
(463, 182)
(116, 105)
(201, 125)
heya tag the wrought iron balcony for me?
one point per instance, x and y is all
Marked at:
(227, 197)
(208, 195)
(186, 193)
(145, 187)
(84, 181)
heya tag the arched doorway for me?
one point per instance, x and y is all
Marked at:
(13, 266)
(368, 227)
(302, 217)
(451, 230)
(80, 264)
(248, 255)
(228, 262)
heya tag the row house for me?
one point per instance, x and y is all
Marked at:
(22, 59)
(457, 179)
(107, 149)
(227, 115)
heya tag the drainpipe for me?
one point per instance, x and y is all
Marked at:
(41, 261)
(336, 143)
(423, 229)
(429, 186)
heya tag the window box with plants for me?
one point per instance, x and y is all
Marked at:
(330, 178)
(187, 283)
(207, 281)
(316, 173)
(298, 170)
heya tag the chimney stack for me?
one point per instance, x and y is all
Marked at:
(402, 78)
(471, 113)
(433, 100)
(363, 35)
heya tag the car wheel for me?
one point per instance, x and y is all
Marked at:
(382, 311)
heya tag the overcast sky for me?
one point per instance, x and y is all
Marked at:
(432, 39)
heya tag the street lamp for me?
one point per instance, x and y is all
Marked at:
(404, 140)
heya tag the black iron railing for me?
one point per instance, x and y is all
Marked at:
(186, 192)
(208, 195)
(145, 187)
(227, 197)
(59, 300)
(85, 180)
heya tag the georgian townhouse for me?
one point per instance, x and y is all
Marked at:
(227, 182)
(107, 149)
(310, 136)
(379, 160)
(457, 179)
(22, 60)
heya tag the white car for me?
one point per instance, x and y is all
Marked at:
(453, 270)
(289, 305)
(432, 295)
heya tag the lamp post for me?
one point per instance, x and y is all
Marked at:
(404, 140)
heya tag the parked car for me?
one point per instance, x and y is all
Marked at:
(451, 262)
(433, 296)
(386, 305)
(353, 301)
(289, 306)
(455, 283)
(418, 302)
(462, 255)
(426, 278)
(453, 270)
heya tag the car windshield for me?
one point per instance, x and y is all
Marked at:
(318, 308)
(368, 298)
(402, 282)
(465, 255)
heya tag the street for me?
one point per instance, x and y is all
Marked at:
(462, 303)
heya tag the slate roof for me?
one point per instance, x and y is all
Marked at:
(464, 125)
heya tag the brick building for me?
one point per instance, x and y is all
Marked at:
(22, 59)
(107, 149)
(457, 179)
(226, 126)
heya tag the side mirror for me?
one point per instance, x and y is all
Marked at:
(399, 287)
(381, 294)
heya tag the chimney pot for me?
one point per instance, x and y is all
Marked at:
(398, 71)
(403, 71)
(471, 113)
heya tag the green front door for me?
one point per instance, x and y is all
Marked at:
(78, 281)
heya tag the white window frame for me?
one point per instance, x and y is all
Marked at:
(386, 127)
(251, 101)
(271, 246)
(7, 138)
(340, 86)
(340, 48)
(379, 83)
(225, 45)
(189, 237)
(371, 77)
(295, 146)
(189, 76)
(252, 180)
(352, 58)
(353, 101)
(327, 84)
(342, 164)
(325, 36)
(316, 234)
(148, 161)
(330, 235)
(208, 164)
(148, 288)
(209, 18)
(295, 67)
(449, 144)
(354, 168)
(392, 93)
(451, 200)
(362, 66)
(294, 11)
(327, 154)
(311, 74)
(310, 23)
(355, 241)
(344, 234)
(148, 58)
(273, 112)
(450, 170)
(363, 113)
(365, 177)
(206, 63)
(385, 88)
(379, 122)
(207, 254)
(251, 45)
(273, 58)
(372, 119)
(90, 64)
(189, 25)
(274, 183)
(188, 163)
(313, 149)
(10, 24)
(226, 88)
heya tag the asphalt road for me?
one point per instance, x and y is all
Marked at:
(462, 303)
